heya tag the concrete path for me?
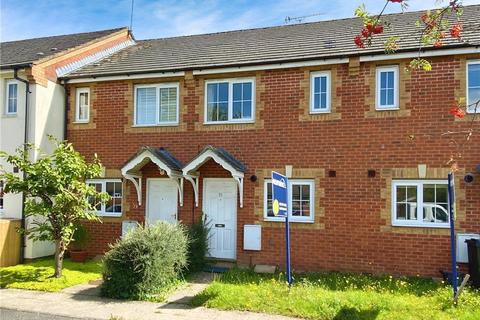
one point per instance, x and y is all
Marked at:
(83, 302)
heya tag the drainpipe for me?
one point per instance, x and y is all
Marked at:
(65, 116)
(25, 141)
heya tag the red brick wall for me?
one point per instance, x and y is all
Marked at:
(354, 235)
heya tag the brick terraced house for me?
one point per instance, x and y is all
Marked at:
(195, 124)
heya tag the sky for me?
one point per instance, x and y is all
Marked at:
(165, 18)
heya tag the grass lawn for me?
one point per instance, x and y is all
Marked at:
(37, 275)
(338, 296)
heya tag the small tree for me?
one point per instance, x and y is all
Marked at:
(55, 188)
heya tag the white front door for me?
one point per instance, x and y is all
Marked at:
(162, 197)
(220, 208)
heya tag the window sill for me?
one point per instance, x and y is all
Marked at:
(228, 122)
(10, 115)
(433, 225)
(320, 112)
(155, 125)
(377, 108)
(110, 215)
(81, 122)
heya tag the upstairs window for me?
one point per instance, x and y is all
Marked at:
(114, 188)
(229, 101)
(387, 88)
(473, 86)
(300, 201)
(12, 97)
(82, 105)
(320, 92)
(156, 104)
(420, 203)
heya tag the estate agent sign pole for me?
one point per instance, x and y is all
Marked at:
(280, 209)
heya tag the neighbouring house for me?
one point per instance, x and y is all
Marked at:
(32, 100)
(194, 125)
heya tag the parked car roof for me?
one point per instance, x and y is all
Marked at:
(23, 52)
(287, 43)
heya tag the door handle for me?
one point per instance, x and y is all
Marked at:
(219, 225)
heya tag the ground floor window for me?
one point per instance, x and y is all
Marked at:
(300, 200)
(422, 203)
(113, 187)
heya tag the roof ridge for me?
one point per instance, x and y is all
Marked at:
(67, 34)
(285, 26)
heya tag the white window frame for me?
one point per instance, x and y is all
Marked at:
(7, 95)
(379, 70)
(77, 105)
(314, 75)
(419, 222)
(470, 110)
(231, 82)
(291, 218)
(158, 86)
(103, 182)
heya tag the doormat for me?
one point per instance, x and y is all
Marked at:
(215, 269)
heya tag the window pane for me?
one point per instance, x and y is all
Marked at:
(168, 105)
(146, 105)
(390, 96)
(390, 80)
(12, 98)
(114, 189)
(212, 112)
(223, 111)
(296, 192)
(296, 208)
(237, 91)
(223, 92)
(316, 101)
(383, 97)
(383, 80)
(316, 87)
(247, 91)
(212, 89)
(306, 192)
(441, 213)
(474, 75)
(429, 193)
(323, 101)
(401, 194)
(269, 200)
(247, 109)
(237, 110)
(473, 97)
(401, 211)
(98, 188)
(441, 193)
(83, 98)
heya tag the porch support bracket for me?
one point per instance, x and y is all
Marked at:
(239, 181)
(137, 182)
(194, 181)
(179, 183)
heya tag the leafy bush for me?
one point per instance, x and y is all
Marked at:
(198, 235)
(80, 238)
(146, 262)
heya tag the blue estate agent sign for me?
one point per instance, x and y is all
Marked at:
(279, 194)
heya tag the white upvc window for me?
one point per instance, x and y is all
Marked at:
(301, 201)
(320, 92)
(420, 203)
(112, 208)
(82, 109)
(473, 86)
(230, 100)
(11, 103)
(387, 96)
(157, 104)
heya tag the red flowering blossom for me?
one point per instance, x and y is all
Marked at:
(457, 111)
(359, 42)
(438, 44)
(365, 33)
(378, 29)
(456, 30)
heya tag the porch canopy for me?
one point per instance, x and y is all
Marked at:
(223, 158)
(165, 161)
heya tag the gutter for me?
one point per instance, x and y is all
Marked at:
(25, 142)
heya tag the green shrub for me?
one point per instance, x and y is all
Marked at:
(198, 235)
(146, 262)
(80, 238)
